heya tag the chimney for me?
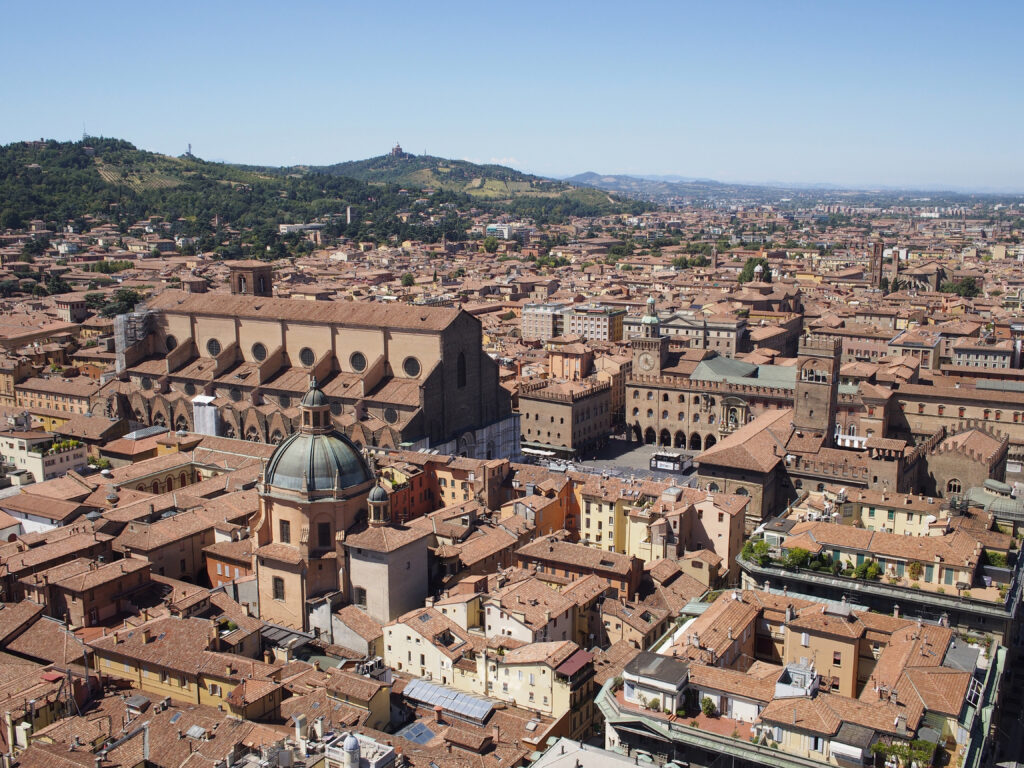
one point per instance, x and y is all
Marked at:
(496, 734)
(896, 611)
(228, 670)
(268, 657)
(437, 714)
(145, 636)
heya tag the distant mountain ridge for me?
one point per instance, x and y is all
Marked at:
(672, 188)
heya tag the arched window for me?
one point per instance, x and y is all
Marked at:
(460, 370)
(636, 411)
(713, 487)
(278, 588)
(742, 492)
(650, 395)
(636, 394)
(183, 479)
(664, 414)
(851, 430)
(650, 413)
(953, 486)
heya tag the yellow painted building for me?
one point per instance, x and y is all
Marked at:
(169, 657)
(552, 679)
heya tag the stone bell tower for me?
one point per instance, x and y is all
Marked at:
(817, 387)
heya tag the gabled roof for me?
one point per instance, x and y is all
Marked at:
(754, 446)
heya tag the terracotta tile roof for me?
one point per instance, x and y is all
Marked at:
(360, 622)
(347, 685)
(384, 538)
(554, 550)
(820, 620)
(349, 314)
(52, 509)
(802, 714)
(734, 683)
(754, 446)
(642, 617)
(610, 662)
(532, 600)
(15, 617)
(941, 689)
(280, 552)
(551, 654)
(50, 642)
(57, 547)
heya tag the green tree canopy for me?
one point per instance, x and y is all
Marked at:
(966, 287)
(747, 273)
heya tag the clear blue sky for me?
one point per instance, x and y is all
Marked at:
(857, 93)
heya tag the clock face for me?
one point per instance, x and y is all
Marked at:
(646, 361)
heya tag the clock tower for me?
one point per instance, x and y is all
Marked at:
(650, 348)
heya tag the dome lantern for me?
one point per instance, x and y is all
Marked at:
(316, 460)
(315, 409)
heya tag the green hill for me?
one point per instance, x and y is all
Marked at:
(111, 178)
(428, 172)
